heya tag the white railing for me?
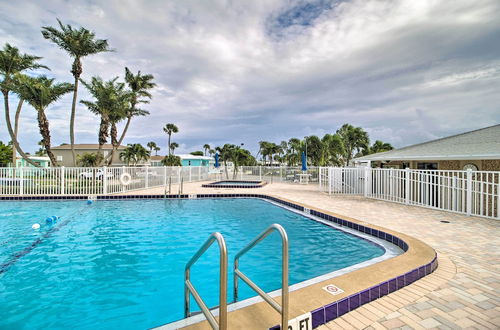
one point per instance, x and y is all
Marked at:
(93, 180)
(271, 174)
(467, 192)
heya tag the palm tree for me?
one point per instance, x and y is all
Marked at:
(111, 103)
(211, 152)
(206, 147)
(378, 146)
(156, 149)
(89, 159)
(170, 129)
(151, 145)
(173, 146)
(139, 85)
(78, 43)
(12, 62)
(353, 138)
(40, 92)
(294, 145)
(41, 151)
(134, 153)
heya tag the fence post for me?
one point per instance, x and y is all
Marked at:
(123, 186)
(164, 176)
(146, 179)
(21, 182)
(179, 175)
(199, 173)
(105, 180)
(469, 191)
(260, 173)
(63, 188)
(365, 192)
(407, 185)
(190, 173)
(330, 179)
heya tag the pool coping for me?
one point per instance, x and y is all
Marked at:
(215, 184)
(359, 287)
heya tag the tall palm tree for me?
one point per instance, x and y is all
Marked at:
(173, 146)
(40, 92)
(156, 149)
(12, 62)
(78, 43)
(206, 147)
(170, 129)
(354, 138)
(151, 145)
(139, 85)
(294, 145)
(111, 102)
(134, 153)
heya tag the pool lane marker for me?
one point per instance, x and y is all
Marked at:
(16, 256)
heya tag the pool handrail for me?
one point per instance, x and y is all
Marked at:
(189, 288)
(283, 309)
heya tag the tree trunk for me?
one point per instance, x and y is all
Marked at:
(16, 128)
(125, 129)
(11, 131)
(76, 70)
(103, 137)
(114, 143)
(43, 125)
(169, 135)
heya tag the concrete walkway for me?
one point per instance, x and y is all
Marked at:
(464, 293)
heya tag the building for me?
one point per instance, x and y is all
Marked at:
(478, 150)
(41, 161)
(64, 156)
(191, 160)
(155, 160)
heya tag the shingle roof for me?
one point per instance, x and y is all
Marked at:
(85, 147)
(483, 143)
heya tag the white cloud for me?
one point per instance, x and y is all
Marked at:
(242, 71)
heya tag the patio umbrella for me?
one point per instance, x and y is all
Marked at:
(217, 164)
(304, 161)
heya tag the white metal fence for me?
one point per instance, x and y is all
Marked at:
(93, 181)
(468, 192)
(272, 174)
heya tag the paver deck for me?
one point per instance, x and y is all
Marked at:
(464, 292)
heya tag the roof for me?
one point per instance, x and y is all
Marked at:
(188, 156)
(156, 157)
(85, 147)
(483, 143)
(41, 158)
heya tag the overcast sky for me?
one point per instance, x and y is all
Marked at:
(245, 71)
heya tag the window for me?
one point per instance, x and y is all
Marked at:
(427, 166)
(59, 158)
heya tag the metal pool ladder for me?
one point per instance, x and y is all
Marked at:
(283, 309)
(189, 288)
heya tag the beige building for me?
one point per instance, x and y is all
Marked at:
(478, 150)
(64, 157)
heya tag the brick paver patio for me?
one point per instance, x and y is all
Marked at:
(464, 292)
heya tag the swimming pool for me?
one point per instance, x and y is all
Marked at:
(119, 264)
(234, 184)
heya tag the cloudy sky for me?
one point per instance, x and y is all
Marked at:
(244, 71)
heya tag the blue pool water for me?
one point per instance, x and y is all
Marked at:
(120, 264)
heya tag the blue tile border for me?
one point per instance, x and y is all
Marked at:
(325, 313)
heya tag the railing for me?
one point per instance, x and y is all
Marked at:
(93, 180)
(283, 309)
(468, 192)
(271, 174)
(190, 290)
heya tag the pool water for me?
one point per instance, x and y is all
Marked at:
(120, 264)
